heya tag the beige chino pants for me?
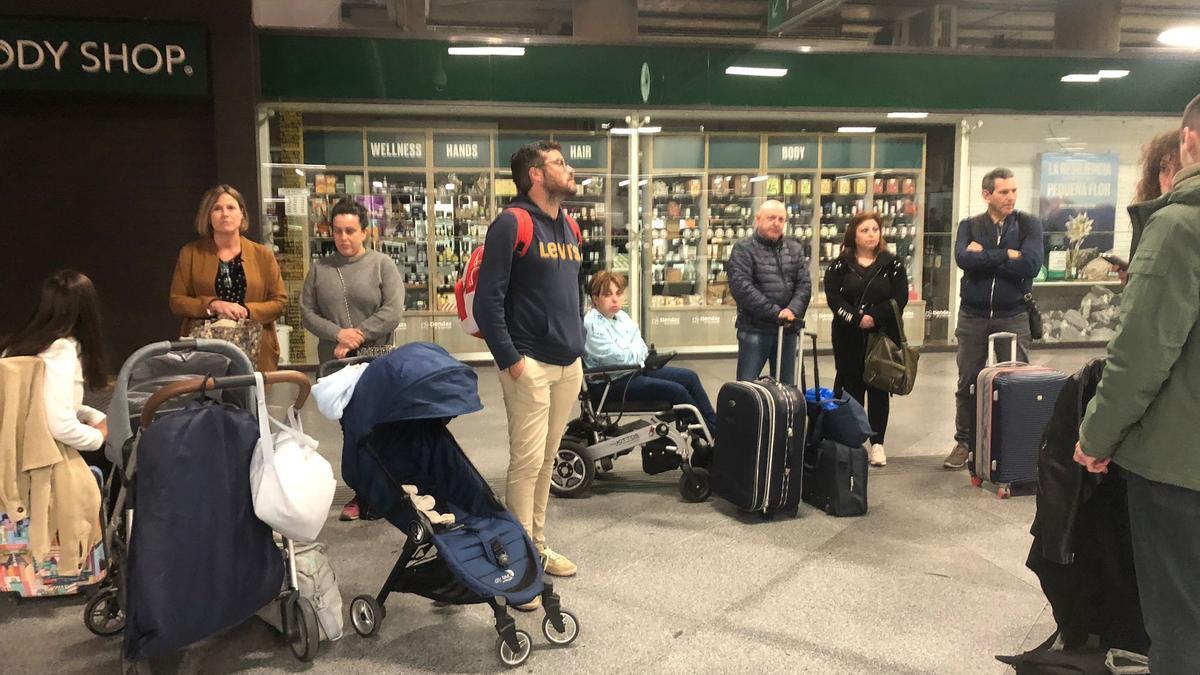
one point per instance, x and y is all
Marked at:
(538, 404)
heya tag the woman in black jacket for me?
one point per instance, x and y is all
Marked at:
(859, 286)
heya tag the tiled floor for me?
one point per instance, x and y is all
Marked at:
(931, 581)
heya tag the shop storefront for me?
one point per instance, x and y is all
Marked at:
(422, 139)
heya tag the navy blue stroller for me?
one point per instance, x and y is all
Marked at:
(395, 435)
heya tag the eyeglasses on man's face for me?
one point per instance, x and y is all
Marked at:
(560, 163)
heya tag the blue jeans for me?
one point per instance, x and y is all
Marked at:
(757, 348)
(674, 385)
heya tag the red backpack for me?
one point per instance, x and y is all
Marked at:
(464, 288)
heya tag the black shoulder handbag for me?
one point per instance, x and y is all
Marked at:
(889, 366)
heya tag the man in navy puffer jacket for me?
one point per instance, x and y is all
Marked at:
(769, 281)
(1000, 252)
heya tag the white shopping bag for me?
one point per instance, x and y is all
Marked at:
(291, 483)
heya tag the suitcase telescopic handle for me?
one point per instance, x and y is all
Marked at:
(993, 356)
(783, 325)
(196, 384)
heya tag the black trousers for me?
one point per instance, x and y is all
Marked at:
(1163, 521)
(849, 357)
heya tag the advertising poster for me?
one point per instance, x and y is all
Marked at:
(1078, 200)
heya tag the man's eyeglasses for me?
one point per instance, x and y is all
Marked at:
(560, 163)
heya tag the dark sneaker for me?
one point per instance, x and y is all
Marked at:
(957, 458)
(350, 511)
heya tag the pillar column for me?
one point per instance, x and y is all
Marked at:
(1093, 26)
(605, 20)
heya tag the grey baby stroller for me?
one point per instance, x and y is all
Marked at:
(147, 391)
(610, 426)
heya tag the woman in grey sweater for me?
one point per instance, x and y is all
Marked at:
(352, 298)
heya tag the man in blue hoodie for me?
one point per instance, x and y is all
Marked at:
(527, 308)
(1000, 252)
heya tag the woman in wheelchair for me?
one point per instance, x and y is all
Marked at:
(613, 339)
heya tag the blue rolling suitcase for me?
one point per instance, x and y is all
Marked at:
(1013, 404)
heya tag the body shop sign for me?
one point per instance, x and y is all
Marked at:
(103, 57)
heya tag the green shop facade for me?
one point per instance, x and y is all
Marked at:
(672, 159)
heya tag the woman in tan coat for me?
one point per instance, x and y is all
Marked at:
(223, 275)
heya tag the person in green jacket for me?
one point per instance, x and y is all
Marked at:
(1144, 414)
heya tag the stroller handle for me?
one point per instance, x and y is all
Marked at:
(234, 381)
(334, 365)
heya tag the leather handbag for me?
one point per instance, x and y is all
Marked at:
(891, 367)
(245, 333)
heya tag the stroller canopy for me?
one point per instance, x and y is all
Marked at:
(419, 381)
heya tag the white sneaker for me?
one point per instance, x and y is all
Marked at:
(878, 457)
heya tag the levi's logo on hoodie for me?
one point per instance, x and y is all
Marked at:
(559, 250)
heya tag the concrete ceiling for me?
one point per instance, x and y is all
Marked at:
(975, 23)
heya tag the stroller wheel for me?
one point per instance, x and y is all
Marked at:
(569, 633)
(513, 659)
(366, 614)
(573, 472)
(697, 488)
(305, 634)
(103, 614)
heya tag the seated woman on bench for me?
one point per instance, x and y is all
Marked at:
(613, 339)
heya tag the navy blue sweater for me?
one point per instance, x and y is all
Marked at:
(529, 305)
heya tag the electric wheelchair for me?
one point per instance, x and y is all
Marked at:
(610, 426)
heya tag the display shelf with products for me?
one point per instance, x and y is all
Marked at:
(895, 198)
(460, 223)
(589, 208)
(843, 195)
(675, 263)
(732, 200)
(403, 233)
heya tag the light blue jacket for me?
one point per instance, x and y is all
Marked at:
(612, 342)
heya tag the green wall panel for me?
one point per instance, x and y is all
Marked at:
(337, 68)
(791, 152)
(846, 152)
(899, 153)
(733, 153)
(506, 145)
(678, 152)
(334, 148)
(583, 151)
(393, 149)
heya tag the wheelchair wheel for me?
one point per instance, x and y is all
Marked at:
(697, 489)
(573, 472)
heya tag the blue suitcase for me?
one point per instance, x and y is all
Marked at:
(1013, 404)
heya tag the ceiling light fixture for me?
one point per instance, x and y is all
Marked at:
(907, 115)
(629, 131)
(1112, 74)
(756, 72)
(1081, 77)
(1186, 37)
(486, 51)
(856, 130)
